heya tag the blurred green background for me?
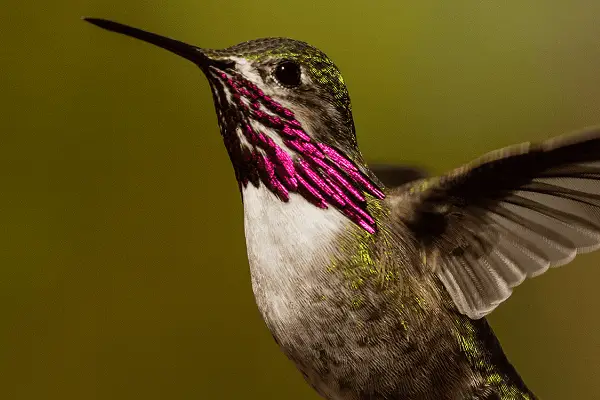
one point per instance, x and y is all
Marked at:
(122, 261)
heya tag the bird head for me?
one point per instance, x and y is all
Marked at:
(286, 120)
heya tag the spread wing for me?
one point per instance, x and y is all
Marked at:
(508, 216)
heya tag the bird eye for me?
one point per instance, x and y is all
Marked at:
(288, 74)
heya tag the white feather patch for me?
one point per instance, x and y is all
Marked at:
(286, 242)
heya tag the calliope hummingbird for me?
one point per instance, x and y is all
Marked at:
(373, 282)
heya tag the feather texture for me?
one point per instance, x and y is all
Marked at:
(509, 216)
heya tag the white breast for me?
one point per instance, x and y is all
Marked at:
(286, 243)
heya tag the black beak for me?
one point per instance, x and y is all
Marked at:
(187, 51)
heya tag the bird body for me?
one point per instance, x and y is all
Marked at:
(355, 315)
(379, 292)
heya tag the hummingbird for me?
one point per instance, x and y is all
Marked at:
(375, 281)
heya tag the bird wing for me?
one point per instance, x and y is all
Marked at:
(508, 216)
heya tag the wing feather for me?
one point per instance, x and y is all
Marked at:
(509, 216)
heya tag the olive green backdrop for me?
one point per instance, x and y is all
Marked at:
(122, 262)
